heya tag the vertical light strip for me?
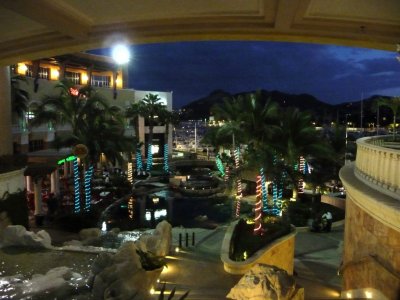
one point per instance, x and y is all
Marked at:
(130, 172)
(77, 187)
(239, 193)
(88, 188)
(265, 207)
(258, 207)
(149, 162)
(166, 164)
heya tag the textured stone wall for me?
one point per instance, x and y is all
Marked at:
(372, 253)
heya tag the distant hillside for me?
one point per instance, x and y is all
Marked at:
(201, 108)
(323, 113)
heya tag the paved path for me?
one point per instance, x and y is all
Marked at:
(200, 270)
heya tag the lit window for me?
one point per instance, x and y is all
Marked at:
(29, 115)
(101, 80)
(74, 77)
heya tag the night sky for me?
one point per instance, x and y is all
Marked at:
(333, 74)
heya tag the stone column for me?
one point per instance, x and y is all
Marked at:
(54, 181)
(6, 141)
(37, 189)
(142, 133)
(65, 166)
(29, 186)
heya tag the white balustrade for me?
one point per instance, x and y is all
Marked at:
(378, 166)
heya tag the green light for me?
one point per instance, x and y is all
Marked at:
(69, 158)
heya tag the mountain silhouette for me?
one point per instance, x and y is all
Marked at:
(322, 112)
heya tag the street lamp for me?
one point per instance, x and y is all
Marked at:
(121, 55)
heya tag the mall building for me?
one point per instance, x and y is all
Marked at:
(371, 252)
(102, 73)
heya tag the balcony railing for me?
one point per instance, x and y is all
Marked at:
(378, 164)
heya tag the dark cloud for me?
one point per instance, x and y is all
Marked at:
(331, 73)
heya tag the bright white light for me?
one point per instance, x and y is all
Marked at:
(158, 213)
(368, 295)
(155, 149)
(120, 54)
(348, 295)
(148, 216)
(104, 227)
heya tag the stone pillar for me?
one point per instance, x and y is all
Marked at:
(66, 169)
(71, 168)
(6, 141)
(24, 142)
(54, 181)
(37, 189)
(29, 186)
(142, 130)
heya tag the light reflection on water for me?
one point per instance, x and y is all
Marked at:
(19, 264)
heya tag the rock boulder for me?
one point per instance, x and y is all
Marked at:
(17, 235)
(89, 233)
(266, 282)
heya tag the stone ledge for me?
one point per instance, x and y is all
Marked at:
(272, 254)
(382, 207)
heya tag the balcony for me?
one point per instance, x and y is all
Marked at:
(378, 164)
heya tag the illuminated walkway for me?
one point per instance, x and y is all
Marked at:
(199, 269)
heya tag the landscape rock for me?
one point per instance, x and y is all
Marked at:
(17, 235)
(4, 222)
(72, 243)
(89, 233)
(57, 283)
(266, 282)
(121, 276)
(158, 243)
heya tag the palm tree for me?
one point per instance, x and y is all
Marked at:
(168, 118)
(394, 104)
(93, 122)
(151, 108)
(295, 138)
(19, 98)
(231, 112)
(254, 119)
(133, 112)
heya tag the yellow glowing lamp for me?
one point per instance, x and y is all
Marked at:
(55, 74)
(22, 68)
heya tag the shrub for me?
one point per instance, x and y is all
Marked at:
(244, 240)
(16, 207)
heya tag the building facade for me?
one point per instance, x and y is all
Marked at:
(108, 79)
